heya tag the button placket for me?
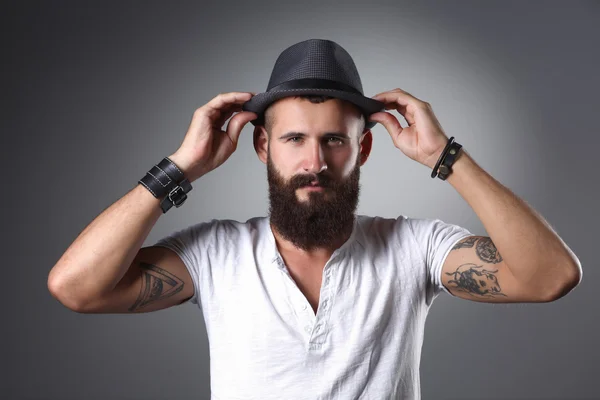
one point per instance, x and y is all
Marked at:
(327, 275)
(307, 319)
(327, 289)
(322, 316)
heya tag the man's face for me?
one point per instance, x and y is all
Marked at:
(313, 144)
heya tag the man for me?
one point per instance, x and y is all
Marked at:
(313, 301)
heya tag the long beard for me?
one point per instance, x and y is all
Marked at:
(320, 220)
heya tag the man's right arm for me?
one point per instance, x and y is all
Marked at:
(105, 270)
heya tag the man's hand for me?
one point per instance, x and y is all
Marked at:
(423, 140)
(206, 145)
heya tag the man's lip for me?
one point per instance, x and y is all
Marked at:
(312, 187)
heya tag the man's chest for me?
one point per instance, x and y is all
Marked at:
(309, 279)
(261, 329)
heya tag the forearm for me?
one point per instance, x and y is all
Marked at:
(534, 253)
(102, 253)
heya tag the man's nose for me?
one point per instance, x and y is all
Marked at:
(315, 159)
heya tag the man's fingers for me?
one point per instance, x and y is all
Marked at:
(224, 99)
(237, 123)
(389, 121)
(401, 101)
(227, 112)
(395, 97)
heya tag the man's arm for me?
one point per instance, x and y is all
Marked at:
(98, 260)
(532, 261)
(532, 252)
(90, 271)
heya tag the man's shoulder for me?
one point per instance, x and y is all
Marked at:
(398, 227)
(379, 223)
(374, 229)
(398, 221)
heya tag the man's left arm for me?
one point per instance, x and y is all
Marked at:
(536, 256)
(522, 259)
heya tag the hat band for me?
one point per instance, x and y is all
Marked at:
(309, 83)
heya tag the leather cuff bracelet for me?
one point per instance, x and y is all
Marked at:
(166, 181)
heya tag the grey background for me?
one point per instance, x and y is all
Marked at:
(96, 93)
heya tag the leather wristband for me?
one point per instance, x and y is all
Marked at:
(447, 158)
(451, 156)
(166, 181)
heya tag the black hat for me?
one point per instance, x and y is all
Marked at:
(314, 66)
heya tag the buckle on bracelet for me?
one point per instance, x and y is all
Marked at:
(177, 196)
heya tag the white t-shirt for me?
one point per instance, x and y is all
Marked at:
(364, 342)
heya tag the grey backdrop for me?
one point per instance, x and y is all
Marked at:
(96, 93)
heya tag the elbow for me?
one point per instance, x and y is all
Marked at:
(59, 290)
(573, 279)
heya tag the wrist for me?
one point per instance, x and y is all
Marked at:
(432, 160)
(443, 166)
(463, 163)
(184, 165)
(168, 182)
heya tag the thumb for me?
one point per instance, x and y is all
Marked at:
(237, 123)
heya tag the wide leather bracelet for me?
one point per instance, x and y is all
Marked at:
(166, 181)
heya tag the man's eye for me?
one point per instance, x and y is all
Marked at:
(329, 139)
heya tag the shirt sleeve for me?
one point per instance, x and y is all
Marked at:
(194, 245)
(435, 239)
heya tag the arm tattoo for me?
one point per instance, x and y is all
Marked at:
(486, 249)
(157, 284)
(476, 282)
(466, 243)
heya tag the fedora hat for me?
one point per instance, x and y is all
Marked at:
(314, 66)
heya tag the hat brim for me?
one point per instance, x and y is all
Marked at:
(261, 101)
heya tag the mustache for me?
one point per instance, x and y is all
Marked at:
(307, 179)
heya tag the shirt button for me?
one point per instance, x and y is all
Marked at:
(304, 307)
(307, 329)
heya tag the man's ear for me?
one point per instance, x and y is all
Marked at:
(366, 144)
(261, 142)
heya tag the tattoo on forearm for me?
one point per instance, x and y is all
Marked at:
(486, 249)
(157, 284)
(476, 282)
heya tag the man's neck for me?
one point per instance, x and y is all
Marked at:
(319, 253)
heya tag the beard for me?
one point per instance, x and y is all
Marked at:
(320, 220)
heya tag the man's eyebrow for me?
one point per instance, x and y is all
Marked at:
(326, 134)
